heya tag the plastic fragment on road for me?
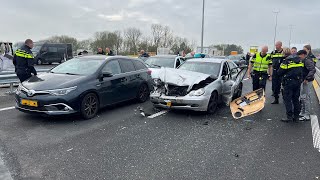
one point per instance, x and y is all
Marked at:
(248, 104)
(206, 123)
(69, 149)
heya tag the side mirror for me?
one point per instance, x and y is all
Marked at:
(107, 74)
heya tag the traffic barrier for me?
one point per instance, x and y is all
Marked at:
(10, 78)
(316, 83)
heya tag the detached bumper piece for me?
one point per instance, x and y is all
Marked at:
(249, 104)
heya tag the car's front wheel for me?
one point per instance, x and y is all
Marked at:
(213, 103)
(143, 93)
(89, 106)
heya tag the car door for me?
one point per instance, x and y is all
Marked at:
(231, 81)
(111, 88)
(132, 80)
(141, 72)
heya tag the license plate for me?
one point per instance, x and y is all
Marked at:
(31, 103)
(169, 103)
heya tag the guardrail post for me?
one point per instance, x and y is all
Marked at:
(11, 91)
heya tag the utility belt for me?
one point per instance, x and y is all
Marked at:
(261, 73)
(286, 81)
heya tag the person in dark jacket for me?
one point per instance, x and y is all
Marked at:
(308, 76)
(277, 58)
(143, 54)
(109, 52)
(291, 73)
(23, 61)
(100, 51)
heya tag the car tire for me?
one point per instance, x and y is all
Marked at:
(89, 106)
(238, 93)
(213, 103)
(143, 93)
(50, 63)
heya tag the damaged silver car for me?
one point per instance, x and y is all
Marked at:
(198, 85)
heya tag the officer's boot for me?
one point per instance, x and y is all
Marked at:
(276, 101)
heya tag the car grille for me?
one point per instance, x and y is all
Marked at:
(177, 90)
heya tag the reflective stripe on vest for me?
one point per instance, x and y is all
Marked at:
(261, 64)
(277, 55)
(315, 60)
(291, 65)
(23, 54)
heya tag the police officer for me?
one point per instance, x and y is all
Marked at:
(277, 57)
(308, 76)
(291, 72)
(262, 69)
(23, 61)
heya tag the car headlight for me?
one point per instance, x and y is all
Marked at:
(61, 92)
(198, 92)
(19, 89)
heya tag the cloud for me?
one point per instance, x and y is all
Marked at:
(115, 17)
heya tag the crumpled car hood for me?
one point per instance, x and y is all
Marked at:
(180, 77)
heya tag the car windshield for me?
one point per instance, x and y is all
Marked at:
(36, 48)
(202, 67)
(78, 67)
(161, 62)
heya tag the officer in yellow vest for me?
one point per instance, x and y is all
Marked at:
(261, 64)
(291, 71)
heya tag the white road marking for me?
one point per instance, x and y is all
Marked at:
(7, 108)
(69, 149)
(315, 132)
(157, 114)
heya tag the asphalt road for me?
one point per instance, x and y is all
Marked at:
(121, 144)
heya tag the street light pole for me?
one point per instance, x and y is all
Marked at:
(275, 28)
(202, 27)
(291, 27)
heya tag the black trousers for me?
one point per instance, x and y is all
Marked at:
(23, 76)
(291, 94)
(276, 83)
(259, 80)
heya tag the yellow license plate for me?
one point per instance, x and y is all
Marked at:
(31, 103)
(169, 104)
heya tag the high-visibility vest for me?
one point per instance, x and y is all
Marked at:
(261, 64)
(23, 54)
(291, 65)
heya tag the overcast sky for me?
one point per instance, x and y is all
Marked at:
(243, 22)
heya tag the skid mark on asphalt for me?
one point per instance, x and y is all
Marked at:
(315, 132)
(7, 108)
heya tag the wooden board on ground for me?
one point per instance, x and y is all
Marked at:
(249, 104)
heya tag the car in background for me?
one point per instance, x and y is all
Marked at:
(84, 85)
(51, 52)
(198, 85)
(238, 59)
(156, 63)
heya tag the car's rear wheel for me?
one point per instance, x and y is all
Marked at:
(213, 103)
(143, 93)
(89, 106)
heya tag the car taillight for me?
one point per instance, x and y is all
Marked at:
(149, 71)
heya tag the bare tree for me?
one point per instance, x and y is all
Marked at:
(167, 37)
(157, 33)
(132, 38)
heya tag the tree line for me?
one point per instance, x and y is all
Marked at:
(130, 40)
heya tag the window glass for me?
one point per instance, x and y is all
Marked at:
(127, 66)
(113, 67)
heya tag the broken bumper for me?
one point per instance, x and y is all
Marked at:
(194, 103)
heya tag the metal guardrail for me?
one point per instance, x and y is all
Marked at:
(316, 83)
(10, 77)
